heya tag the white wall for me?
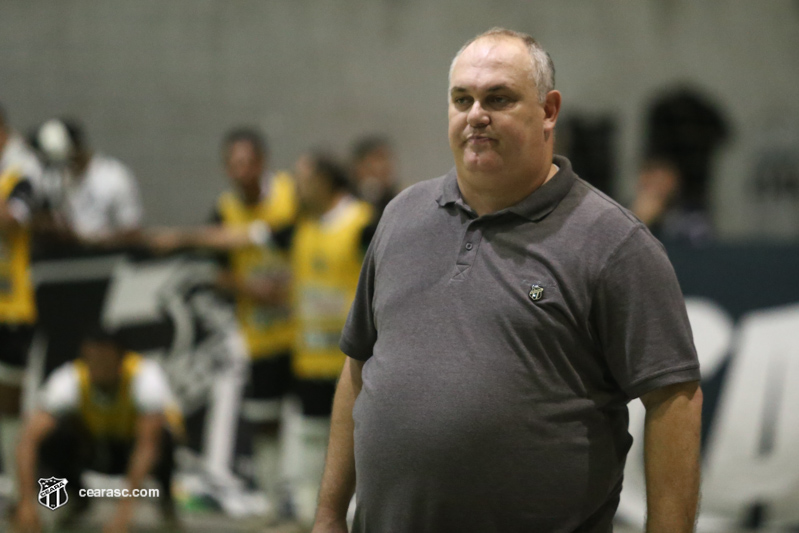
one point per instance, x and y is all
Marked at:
(157, 83)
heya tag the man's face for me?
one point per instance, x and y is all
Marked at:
(312, 188)
(496, 124)
(377, 164)
(244, 165)
(103, 360)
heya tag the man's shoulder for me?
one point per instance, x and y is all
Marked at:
(227, 199)
(605, 220)
(416, 198)
(110, 170)
(17, 154)
(62, 380)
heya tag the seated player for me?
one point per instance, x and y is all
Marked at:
(110, 411)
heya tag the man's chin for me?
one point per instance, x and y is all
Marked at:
(482, 162)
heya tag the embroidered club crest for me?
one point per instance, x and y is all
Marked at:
(536, 292)
(53, 492)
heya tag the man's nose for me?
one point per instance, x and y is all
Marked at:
(478, 117)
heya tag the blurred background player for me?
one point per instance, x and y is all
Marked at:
(258, 279)
(327, 248)
(659, 203)
(374, 171)
(19, 171)
(257, 274)
(110, 411)
(94, 198)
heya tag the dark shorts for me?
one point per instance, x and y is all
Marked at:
(15, 341)
(270, 381)
(270, 377)
(316, 396)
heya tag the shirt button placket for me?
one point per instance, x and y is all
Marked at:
(467, 252)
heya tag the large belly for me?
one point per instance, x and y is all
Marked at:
(461, 442)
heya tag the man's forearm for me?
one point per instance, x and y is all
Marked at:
(671, 455)
(141, 462)
(36, 429)
(146, 448)
(338, 481)
(26, 469)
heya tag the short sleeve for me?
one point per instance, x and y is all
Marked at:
(129, 208)
(640, 318)
(151, 393)
(60, 394)
(360, 334)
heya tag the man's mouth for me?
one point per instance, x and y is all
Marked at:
(479, 139)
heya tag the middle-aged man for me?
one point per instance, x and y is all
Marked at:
(506, 314)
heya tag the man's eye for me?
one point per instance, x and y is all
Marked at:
(462, 101)
(499, 100)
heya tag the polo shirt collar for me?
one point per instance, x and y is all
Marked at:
(534, 207)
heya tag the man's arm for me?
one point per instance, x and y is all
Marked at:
(7, 219)
(217, 238)
(16, 210)
(142, 460)
(36, 430)
(671, 457)
(338, 481)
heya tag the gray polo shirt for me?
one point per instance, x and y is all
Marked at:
(501, 352)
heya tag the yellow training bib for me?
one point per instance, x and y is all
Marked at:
(326, 257)
(268, 329)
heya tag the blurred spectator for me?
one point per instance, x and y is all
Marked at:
(19, 170)
(658, 203)
(327, 248)
(258, 278)
(773, 182)
(686, 129)
(94, 198)
(373, 167)
(589, 142)
(110, 411)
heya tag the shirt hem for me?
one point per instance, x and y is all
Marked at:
(664, 378)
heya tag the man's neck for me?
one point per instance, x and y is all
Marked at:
(330, 205)
(252, 196)
(489, 200)
(81, 166)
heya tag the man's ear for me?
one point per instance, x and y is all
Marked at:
(551, 110)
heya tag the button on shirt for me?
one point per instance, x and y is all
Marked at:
(500, 353)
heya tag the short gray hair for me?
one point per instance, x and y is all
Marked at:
(543, 67)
